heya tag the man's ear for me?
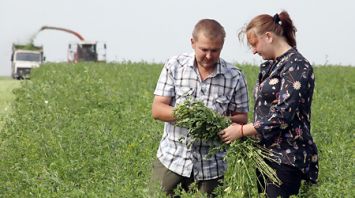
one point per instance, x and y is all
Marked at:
(192, 43)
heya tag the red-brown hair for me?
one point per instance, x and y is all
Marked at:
(280, 24)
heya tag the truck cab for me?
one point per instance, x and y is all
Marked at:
(23, 59)
(87, 51)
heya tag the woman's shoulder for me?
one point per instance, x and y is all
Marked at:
(295, 60)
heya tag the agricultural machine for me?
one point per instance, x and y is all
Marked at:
(24, 58)
(83, 50)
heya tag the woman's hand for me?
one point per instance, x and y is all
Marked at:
(231, 133)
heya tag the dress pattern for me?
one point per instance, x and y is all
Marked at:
(282, 111)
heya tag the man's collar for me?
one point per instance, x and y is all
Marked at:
(220, 67)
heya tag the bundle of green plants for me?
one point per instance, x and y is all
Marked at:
(244, 155)
(27, 46)
(202, 122)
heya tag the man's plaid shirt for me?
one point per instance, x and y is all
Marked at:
(224, 91)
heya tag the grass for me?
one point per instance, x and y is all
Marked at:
(333, 128)
(7, 84)
(85, 130)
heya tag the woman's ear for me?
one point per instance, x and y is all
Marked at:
(269, 37)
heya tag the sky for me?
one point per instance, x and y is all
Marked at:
(154, 30)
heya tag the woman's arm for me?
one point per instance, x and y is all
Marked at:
(236, 131)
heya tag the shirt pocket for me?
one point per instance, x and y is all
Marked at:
(183, 93)
(221, 104)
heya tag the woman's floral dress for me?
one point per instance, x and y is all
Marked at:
(282, 111)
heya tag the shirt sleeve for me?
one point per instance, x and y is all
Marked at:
(296, 80)
(240, 101)
(165, 85)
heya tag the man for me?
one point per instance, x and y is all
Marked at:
(202, 75)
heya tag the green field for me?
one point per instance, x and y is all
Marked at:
(86, 130)
(7, 84)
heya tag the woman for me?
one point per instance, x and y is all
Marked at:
(282, 111)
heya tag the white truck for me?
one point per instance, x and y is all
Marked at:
(24, 58)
